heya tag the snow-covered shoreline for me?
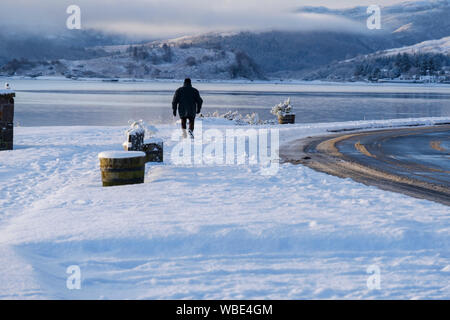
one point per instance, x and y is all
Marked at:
(236, 81)
(205, 231)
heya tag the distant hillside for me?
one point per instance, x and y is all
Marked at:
(250, 55)
(74, 44)
(280, 51)
(426, 58)
(292, 54)
(431, 46)
(409, 22)
(156, 61)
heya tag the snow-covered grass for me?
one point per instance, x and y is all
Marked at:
(207, 231)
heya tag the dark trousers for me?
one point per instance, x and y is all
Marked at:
(191, 123)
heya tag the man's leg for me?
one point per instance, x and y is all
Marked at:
(191, 124)
(183, 127)
(191, 127)
(183, 123)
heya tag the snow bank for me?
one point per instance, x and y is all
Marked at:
(394, 123)
(207, 231)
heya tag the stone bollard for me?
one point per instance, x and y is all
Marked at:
(6, 119)
(135, 139)
(122, 167)
(153, 149)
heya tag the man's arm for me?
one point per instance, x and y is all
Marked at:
(199, 101)
(175, 101)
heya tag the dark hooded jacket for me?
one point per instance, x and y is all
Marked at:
(187, 100)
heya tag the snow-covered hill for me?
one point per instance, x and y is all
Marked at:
(408, 22)
(150, 61)
(250, 55)
(432, 46)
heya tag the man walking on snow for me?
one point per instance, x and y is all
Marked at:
(189, 103)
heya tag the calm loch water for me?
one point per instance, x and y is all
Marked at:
(69, 102)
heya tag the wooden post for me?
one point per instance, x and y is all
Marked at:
(6, 119)
(135, 140)
(153, 149)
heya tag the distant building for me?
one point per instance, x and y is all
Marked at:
(428, 79)
(406, 77)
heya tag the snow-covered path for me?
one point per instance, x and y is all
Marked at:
(207, 231)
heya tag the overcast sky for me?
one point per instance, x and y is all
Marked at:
(168, 18)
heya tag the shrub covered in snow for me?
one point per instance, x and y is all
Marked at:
(239, 119)
(283, 108)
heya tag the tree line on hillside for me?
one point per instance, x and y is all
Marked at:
(163, 54)
(402, 65)
(243, 66)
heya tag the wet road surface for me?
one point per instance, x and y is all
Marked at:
(422, 154)
(414, 161)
